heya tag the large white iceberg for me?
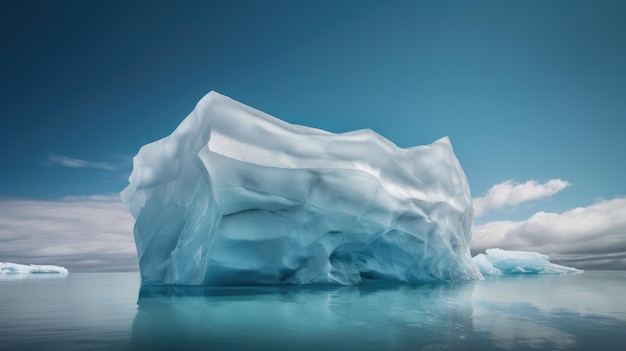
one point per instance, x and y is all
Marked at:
(237, 197)
(498, 262)
(14, 268)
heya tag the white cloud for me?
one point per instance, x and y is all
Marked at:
(586, 237)
(509, 193)
(92, 233)
(78, 163)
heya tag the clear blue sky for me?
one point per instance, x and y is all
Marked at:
(524, 89)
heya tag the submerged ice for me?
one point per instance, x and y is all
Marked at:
(237, 197)
(498, 262)
(14, 268)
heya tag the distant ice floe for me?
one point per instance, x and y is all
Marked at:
(7, 268)
(499, 262)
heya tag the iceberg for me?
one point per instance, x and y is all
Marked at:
(7, 268)
(237, 197)
(498, 262)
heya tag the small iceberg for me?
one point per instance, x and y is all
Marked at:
(499, 262)
(7, 268)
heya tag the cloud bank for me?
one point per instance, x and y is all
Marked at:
(592, 237)
(92, 233)
(509, 193)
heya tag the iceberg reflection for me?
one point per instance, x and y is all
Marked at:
(274, 318)
(570, 312)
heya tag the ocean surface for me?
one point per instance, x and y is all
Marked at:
(111, 311)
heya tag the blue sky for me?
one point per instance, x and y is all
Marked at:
(526, 90)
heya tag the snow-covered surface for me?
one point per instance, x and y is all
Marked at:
(14, 268)
(498, 262)
(237, 197)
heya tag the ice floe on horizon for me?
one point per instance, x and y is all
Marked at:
(497, 262)
(7, 268)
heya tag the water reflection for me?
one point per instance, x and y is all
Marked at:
(559, 312)
(406, 317)
(100, 312)
(571, 312)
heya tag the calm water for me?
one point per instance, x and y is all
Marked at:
(111, 312)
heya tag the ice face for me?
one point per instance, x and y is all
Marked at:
(237, 197)
(498, 262)
(14, 268)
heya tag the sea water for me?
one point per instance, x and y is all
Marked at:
(111, 311)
